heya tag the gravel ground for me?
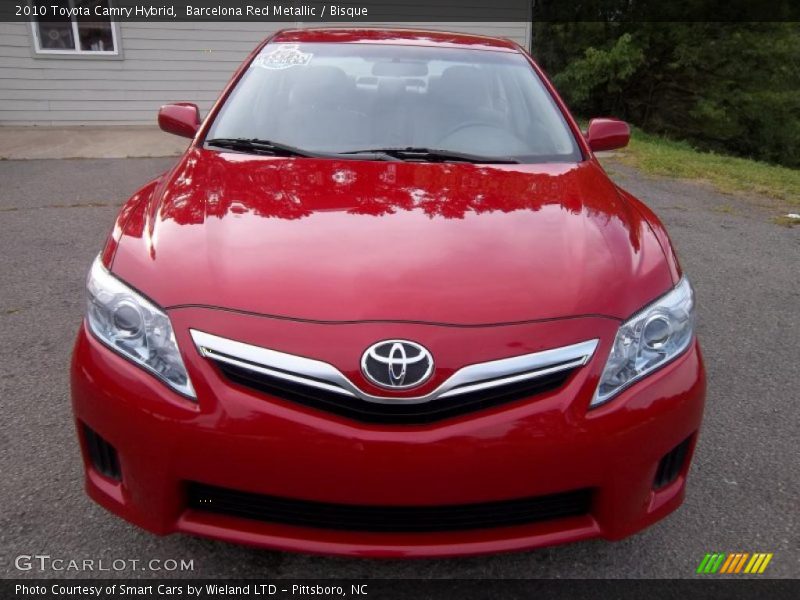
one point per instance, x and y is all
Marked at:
(743, 490)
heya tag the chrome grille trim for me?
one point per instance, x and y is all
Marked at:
(322, 375)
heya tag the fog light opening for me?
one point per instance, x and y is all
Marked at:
(672, 464)
(102, 455)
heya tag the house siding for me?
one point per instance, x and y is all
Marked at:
(159, 63)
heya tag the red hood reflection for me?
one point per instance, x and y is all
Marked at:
(355, 240)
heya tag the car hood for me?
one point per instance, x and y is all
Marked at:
(341, 240)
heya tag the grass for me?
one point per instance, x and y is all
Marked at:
(730, 174)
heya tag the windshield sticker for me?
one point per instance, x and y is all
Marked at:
(283, 57)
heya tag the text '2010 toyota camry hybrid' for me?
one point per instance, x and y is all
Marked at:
(388, 303)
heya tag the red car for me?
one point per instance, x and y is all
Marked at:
(388, 304)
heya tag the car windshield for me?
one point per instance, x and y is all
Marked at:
(339, 97)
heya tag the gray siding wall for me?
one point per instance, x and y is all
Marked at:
(159, 63)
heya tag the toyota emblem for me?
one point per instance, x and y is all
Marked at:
(397, 364)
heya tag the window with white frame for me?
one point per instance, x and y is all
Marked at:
(76, 35)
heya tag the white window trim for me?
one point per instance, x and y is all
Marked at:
(38, 50)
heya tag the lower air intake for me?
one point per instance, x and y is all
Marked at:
(407, 519)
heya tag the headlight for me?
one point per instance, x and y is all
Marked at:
(650, 339)
(134, 327)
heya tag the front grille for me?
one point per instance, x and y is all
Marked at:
(321, 385)
(102, 454)
(671, 465)
(348, 517)
(372, 412)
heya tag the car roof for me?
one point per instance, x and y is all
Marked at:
(411, 37)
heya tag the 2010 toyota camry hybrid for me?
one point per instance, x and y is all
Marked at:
(388, 303)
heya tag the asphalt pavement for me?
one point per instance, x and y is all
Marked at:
(744, 489)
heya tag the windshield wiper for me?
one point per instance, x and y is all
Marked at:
(436, 155)
(270, 148)
(258, 146)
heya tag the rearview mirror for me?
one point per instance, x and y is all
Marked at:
(181, 118)
(607, 134)
(396, 68)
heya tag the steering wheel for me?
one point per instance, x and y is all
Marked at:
(467, 125)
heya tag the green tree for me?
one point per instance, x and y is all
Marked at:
(727, 87)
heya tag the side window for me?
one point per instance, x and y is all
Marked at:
(538, 114)
(519, 111)
(94, 35)
(500, 100)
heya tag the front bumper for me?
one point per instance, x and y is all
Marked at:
(241, 440)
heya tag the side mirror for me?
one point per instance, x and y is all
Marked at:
(607, 134)
(182, 118)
